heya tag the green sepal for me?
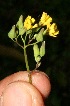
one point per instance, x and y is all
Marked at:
(39, 36)
(12, 33)
(42, 49)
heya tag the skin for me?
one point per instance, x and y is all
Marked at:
(15, 90)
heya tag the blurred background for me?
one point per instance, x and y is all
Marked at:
(56, 62)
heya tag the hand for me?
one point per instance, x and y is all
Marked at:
(16, 91)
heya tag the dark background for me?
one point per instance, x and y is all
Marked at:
(56, 62)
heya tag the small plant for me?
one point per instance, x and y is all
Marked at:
(31, 34)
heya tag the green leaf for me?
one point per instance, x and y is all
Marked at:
(42, 49)
(12, 34)
(39, 36)
(36, 52)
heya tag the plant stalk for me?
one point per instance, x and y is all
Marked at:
(27, 66)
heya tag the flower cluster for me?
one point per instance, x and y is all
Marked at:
(28, 24)
(53, 31)
(44, 21)
(51, 28)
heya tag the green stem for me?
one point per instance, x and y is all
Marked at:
(27, 66)
(26, 61)
(25, 55)
(31, 44)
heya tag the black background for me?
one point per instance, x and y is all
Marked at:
(56, 62)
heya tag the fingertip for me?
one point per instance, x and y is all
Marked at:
(42, 83)
(39, 79)
(21, 94)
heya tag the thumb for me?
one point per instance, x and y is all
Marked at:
(20, 93)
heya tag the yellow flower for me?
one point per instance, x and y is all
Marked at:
(28, 23)
(51, 28)
(45, 20)
(53, 31)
